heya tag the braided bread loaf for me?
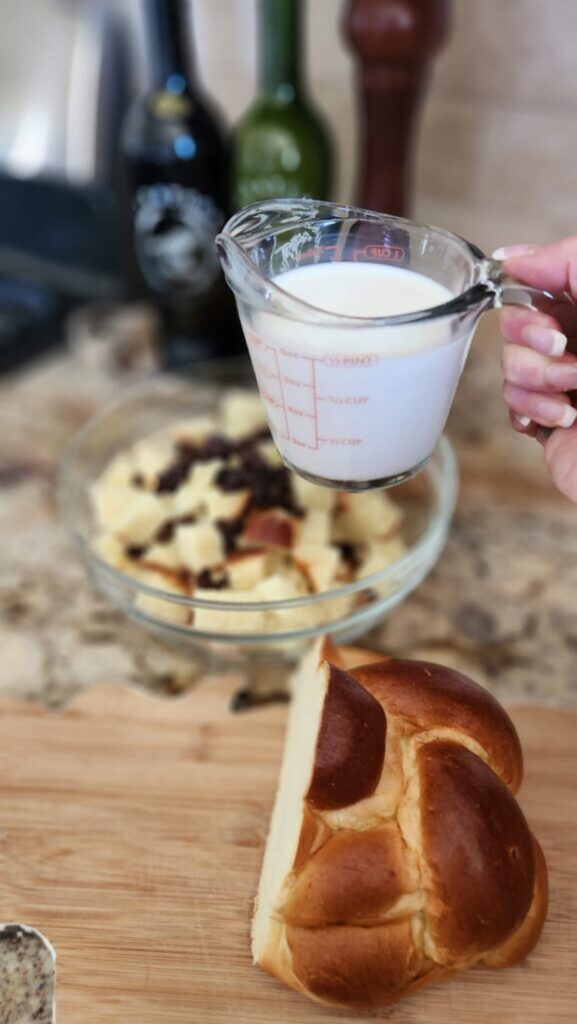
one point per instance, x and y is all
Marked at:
(397, 852)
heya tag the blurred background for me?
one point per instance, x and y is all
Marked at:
(90, 106)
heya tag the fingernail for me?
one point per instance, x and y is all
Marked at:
(562, 376)
(558, 413)
(545, 339)
(513, 250)
(523, 421)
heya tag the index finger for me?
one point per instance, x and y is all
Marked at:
(552, 267)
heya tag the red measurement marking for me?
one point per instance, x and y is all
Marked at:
(350, 361)
(292, 355)
(391, 253)
(344, 399)
(253, 338)
(300, 444)
(264, 369)
(301, 412)
(296, 383)
(270, 399)
(349, 442)
(315, 406)
(287, 428)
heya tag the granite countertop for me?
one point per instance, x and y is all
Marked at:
(500, 604)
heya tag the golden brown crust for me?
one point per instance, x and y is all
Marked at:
(518, 945)
(362, 968)
(478, 849)
(355, 878)
(351, 745)
(431, 696)
(405, 875)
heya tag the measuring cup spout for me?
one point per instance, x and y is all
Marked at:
(268, 238)
(242, 275)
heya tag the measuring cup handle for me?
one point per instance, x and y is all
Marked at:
(509, 292)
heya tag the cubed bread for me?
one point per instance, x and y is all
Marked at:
(365, 516)
(190, 498)
(199, 545)
(141, 516)
(112, 551)
(151, 457)
(162, 607)
(315, 528)
(225, 505)
(382, 553)
(109, 501)
(246, 568)
(286, 586)
(397, 852)
(164, 556)
(319, 563)
(309, 495)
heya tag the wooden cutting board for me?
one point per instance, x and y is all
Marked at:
(131, 835)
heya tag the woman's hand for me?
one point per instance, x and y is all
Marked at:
(539, 363)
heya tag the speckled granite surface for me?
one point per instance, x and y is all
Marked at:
(27, 977)
(500, 605)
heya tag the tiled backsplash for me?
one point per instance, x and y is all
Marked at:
(497, 150)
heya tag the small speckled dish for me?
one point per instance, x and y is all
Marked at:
(346, 612)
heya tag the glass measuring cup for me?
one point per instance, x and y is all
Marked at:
(356, 402)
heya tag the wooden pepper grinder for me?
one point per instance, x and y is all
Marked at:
(394, 42)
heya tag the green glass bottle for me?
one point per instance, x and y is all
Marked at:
(282, 148)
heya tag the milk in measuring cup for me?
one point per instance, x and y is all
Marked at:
(356, 403)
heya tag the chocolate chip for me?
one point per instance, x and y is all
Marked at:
(272, 488)
(165, 533)
(233, 480)
(138, 480)
(216, 447)
(349, 554)
(252, 459)
(172, 478)
(175, 474)
(185, 449)
(229, 530)
(212, 579)
(135, 551)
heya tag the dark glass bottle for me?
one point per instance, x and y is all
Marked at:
(282, 148)
(178, 178)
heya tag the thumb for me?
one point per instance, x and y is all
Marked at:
(561, 459)
(552, 267)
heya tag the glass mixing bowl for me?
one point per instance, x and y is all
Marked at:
(428, 502)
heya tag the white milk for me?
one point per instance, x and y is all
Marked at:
(356, 403)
